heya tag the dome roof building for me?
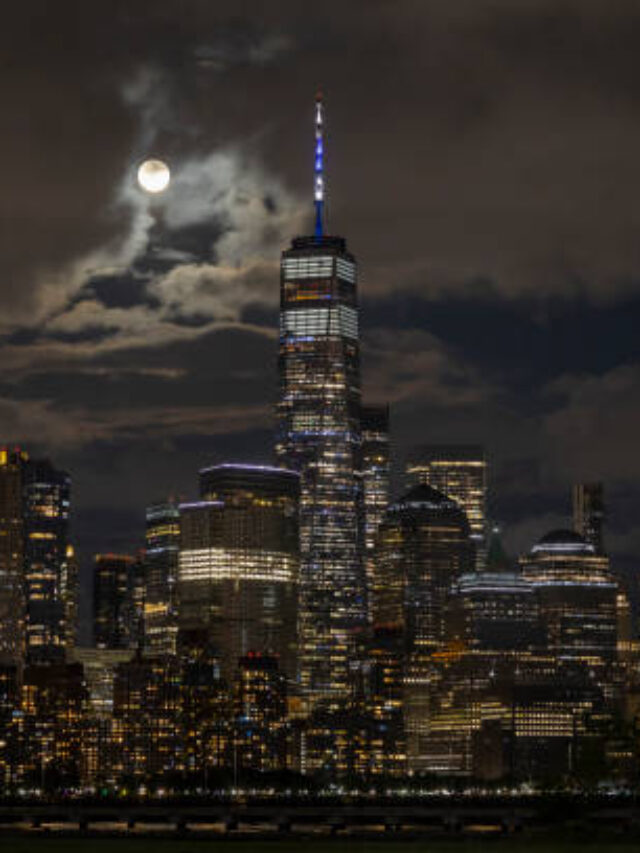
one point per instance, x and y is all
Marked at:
(577, 594)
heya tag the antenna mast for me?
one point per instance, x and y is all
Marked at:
(318, 188)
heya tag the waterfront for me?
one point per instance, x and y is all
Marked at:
(51, 844)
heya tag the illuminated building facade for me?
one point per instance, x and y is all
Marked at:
(260, 741)
(376, 464)
(49, 724)
(9, 702)
(146, 709)
(206, 710)
(382, 702)
(589, 513)
(12, 601)
(459, 471)
(114, 583)
(46, 504)
(69, 591)
(577, 594)
(423, 549)
(319, 436)
(161, 577)
(495, 610)
(239, 563)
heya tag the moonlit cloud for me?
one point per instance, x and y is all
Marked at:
(482, 163)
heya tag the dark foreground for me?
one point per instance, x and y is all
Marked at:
(477, 845)
(540, 823)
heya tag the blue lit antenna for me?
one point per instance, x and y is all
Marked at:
(318, 184)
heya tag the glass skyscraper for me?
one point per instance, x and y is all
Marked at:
(113, 601)
(46, 502)
(577, 593)
(12, 601)
(161, 577)
(239, 562)
(459, 471)
(319, 435)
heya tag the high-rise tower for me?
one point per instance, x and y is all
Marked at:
(589, 513)
(319, 436)
(12, 594)
(161, 577)
(239, 560)
(46, 506)
(459, 471)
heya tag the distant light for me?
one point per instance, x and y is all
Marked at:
(154, 176)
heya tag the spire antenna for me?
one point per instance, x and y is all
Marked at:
(318, 186)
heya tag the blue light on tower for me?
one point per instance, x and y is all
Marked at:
(318, 191)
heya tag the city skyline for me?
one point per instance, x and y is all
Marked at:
(487, 191)
(329, 600)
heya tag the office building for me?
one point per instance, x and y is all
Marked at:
(495, 610)
(114, 606)
(423, 549)
(319, 436)
(577, 594)
(459, 471)
(239, 563)
(589, 513)
(69, 592)
(206, 712)
(146, 708)
(48, 587)
(161, 577)
(260, 739)
(49, 727)
(12, 599)
(382, 702)
(376, 464)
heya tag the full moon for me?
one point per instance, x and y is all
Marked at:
(153, 176)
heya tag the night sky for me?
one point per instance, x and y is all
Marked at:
(484, 165)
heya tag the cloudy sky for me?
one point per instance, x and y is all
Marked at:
(483, 164)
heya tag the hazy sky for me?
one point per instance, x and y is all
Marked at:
(483, 164)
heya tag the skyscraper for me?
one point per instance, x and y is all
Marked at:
(161, 577)
(589, 513)
(374, 422)
(113, 604)
(46, 503)
(423, 548)
(69, 592)
(459, 471)
(239, 563)
(495, 610)
(577, 593)
(12, 601)
(319, 436)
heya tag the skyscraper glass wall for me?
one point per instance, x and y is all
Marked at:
(459, 471)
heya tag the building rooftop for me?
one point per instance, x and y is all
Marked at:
(563, 542)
